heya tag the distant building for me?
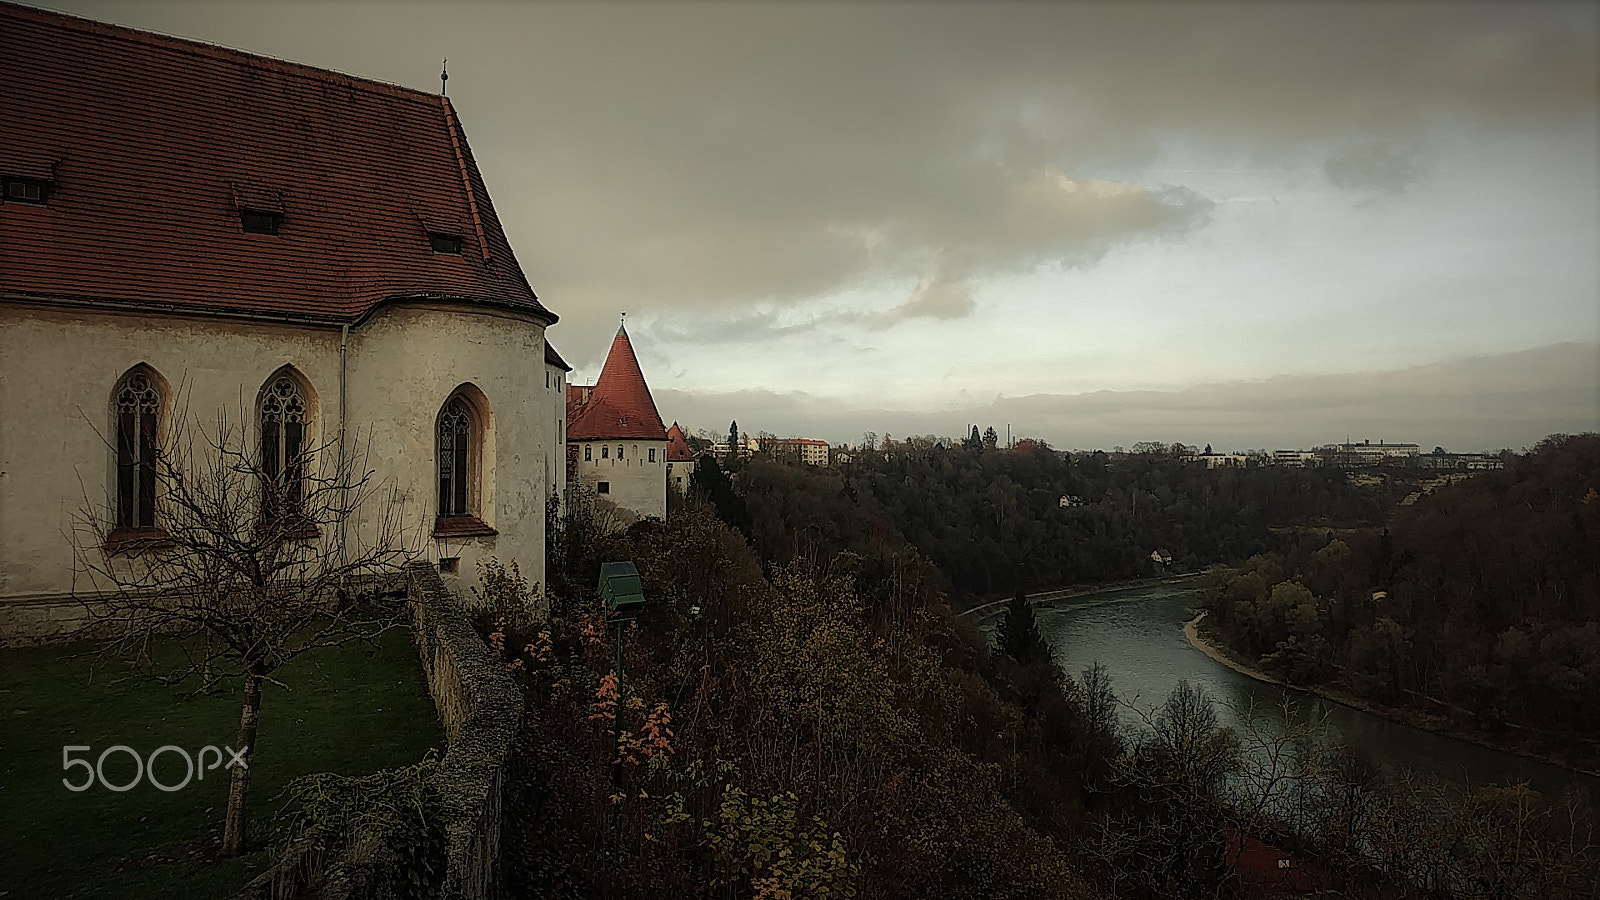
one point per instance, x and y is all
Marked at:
(1295, 458)
(1459, 461)
(680, 460)
(1224, 460)
(1069, 501)
(1367, 453)
(748, 446)
(810, 451)
(616, 444)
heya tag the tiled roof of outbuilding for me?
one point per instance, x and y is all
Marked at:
(154, 145)
(619, 404)
(677, 447)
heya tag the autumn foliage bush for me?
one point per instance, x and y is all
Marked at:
(798, 732)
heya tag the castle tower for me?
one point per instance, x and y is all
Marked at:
(617, 442)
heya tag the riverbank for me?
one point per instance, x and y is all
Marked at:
(1586, 762)
(1079, 590)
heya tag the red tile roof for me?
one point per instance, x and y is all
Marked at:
(619, 405)
(677, 447)
(155, 144)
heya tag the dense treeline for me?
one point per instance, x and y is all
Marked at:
(805, 715)
(1480, 601)
(993, 521)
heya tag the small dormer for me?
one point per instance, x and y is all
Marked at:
(446, 235)
(26, 189)
(260, 207)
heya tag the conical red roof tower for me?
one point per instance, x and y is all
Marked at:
(619, 405)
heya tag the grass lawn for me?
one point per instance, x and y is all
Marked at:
(352, 710)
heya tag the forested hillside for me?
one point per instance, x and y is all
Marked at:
(993, 520)
(1481, 601)
(806, 715)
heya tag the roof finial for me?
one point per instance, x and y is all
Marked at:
(444, 76)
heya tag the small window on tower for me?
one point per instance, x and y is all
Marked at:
(27, 190)
(259, 221)
(603, 487)
(445, 243)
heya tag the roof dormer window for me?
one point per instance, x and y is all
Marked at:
(27, 190)
(442, 242)
(260, 221)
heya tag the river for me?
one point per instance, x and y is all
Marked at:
(1137, 634)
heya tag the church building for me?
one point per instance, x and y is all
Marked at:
(616, 443)
(188, 232)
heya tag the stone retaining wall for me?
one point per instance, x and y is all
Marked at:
(480, 707)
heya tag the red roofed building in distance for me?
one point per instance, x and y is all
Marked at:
(617, 446)
(184, 225)
(680, 460)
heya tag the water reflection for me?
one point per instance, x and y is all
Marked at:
(1137, 635)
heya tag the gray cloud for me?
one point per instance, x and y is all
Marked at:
(1373, 166)
(934, 298)
(1488, 402)
(715, 159)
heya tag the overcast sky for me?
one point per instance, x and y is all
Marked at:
(1256, 225)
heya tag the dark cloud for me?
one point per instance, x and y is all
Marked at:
(1489, 402)
(716, 159)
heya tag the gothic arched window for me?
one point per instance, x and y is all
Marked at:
(283, 445)
(455, 458)
(138, 407)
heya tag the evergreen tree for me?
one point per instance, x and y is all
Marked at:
(974, 442)
(733, 439)
(709, 482)
(1018, 636)
(991, 440)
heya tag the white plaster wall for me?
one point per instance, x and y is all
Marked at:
(678, 476)
(404, 364)
(636, 483)
(58, 367)
(556, 453)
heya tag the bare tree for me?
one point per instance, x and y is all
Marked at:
(252, 562)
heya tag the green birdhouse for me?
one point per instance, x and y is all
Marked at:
(620, 587)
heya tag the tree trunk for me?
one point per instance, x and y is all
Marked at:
(233, 828)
